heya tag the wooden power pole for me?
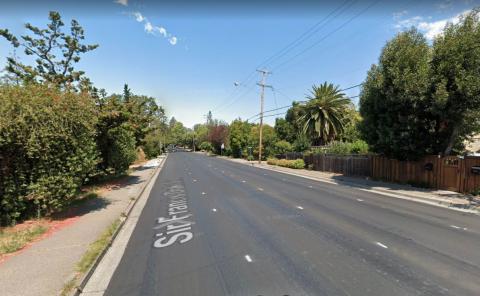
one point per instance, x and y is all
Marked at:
(262, 94)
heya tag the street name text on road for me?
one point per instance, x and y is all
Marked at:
(177, 227)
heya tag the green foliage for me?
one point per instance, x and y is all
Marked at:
(394, 99)
(152, 145)
(54, 51)
(293, 164)
(121, 150)
(359, 147)
(345, 148)
(285, 130)
(239, 137)
(47, 148)
(282, 147)
(455, 75)
(206, 146)
(268, 142)
(324, 113)
(424, 100)
(302, 143)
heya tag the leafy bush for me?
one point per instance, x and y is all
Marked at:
(359, 147)
(344, 148)
(302, 143)
(47, 149)
(121, 149)
(206, 146)
(151, 146)
(293, 164)
(282, 147)
(339, 148)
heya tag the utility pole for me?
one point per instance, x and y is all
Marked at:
(193, 141)
(262, 94)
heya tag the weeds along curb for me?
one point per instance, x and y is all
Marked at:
(123, 217)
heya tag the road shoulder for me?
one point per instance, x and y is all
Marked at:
(96, 282)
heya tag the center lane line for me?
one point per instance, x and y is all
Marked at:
(381, 245)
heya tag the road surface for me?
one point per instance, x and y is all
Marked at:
(214, 227)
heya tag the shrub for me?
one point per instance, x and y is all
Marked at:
(302, 143)
(344, 148)
(359, 147)
(206, 146)
(152, 146)
(121, 149)
(282, 147)
(293, 164)
(47, 149)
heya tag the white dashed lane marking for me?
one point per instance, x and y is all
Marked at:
(214, 210)
(310, 186)
(194, 180)
(260, 188)
(243, 181)
(299, 207)
(458, 227)
(203, 193)
(248, 258)
(381, 245)
(360, 200)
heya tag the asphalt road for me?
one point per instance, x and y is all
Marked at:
(214, 227)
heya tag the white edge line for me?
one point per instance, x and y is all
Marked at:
(247, 257)
(381, 245)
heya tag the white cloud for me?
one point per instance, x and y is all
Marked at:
(162, 31)
(139, 17)
(430, 29)
(173, 40)
(154, 30)
(148, 27)
(122, 2)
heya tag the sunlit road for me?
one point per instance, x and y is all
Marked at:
(214, 227)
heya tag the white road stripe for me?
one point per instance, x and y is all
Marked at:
(243, 181)
(458, 227)
(247, 257)
(381, 245)
(203, 193)
(360, 200)
(310, 186)
(260, 188)
(194, 180)
(299, 207)
(214, 210)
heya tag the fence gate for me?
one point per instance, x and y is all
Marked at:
(450, 173)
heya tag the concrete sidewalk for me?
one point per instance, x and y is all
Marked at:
(444, 198)
(46, 266)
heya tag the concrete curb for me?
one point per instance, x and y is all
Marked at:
(86, 277)
(434, 202)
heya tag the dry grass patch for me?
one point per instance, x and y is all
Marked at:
(16, 237)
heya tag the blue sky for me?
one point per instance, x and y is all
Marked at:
(188, 56)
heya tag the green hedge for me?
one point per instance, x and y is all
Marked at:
(293, 164)
(47, 149)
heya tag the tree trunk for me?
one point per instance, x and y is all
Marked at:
(451, 141)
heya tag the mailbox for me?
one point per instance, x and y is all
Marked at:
(475, 170)
(428, 166)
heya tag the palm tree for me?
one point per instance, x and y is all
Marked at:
(324, 115)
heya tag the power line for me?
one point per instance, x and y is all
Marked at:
(287, 106)
(310, 32)
(328, 35)
(306, 35)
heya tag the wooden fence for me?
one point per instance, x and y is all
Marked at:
(449, 173)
